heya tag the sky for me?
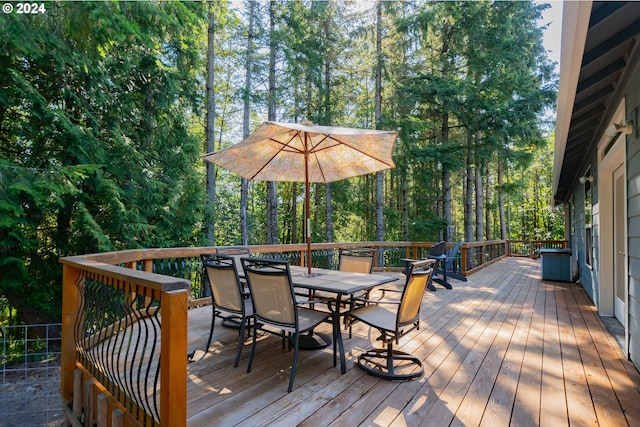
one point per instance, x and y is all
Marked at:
(551, 16)
(551, 38)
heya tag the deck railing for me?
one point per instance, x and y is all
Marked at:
(113, 363)
(531, 248)
(121, 306)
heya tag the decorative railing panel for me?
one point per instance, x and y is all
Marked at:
(392, 256)
(117, 336)
(115, 320)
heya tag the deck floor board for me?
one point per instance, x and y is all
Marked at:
(504, 348)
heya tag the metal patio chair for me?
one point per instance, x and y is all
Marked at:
(236, 252)
(229, 298)
(358, 260)
(389, 363)
(275, 304)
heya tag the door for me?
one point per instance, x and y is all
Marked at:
(619, 245)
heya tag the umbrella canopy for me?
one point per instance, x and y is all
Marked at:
(292, 152)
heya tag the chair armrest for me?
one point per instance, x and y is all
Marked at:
(383, 292)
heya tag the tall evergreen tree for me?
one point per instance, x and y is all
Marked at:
(97, 100)
(102, 119)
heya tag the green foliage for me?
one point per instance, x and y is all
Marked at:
(532, 216)
(12, 352)
(102, 110)
(444, 64)
(97, 149)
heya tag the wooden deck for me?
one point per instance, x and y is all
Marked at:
(504, 348)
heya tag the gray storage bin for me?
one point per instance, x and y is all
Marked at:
(556, 264)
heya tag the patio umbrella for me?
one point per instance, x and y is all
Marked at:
(292, 152)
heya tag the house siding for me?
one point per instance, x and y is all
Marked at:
(595, 221)
(633, 223)
(608, 32)
(586, 276)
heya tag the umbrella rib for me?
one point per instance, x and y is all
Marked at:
(350, 146)
(286, 145)
(315, 155)
(283, 146)
(324, 178)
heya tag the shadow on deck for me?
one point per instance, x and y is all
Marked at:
(504, 348)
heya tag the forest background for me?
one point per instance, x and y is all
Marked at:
(107, 106)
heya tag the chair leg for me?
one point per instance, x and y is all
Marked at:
(334, 333)
(382, 363)
(436, 279)
(296, 341)
(390, 365)
(351, 307)
(253, 346)
(430, 284)
(213, 322)
(241, 341)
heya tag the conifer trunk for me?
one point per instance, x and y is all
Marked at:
(244, 183)
(378, 112)
(210, 136)
(479, 200)
(328, 122)
(272, 208)
(446, 181)
(503, 222)
(487, 201)
(468, 192)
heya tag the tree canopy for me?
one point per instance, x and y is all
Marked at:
(103, 110)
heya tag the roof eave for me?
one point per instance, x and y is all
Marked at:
(575, 24)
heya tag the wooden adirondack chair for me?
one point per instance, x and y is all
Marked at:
(452, 264)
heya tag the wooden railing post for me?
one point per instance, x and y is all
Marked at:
(530, 249)
(376, 255)
(70, 302)
(76, 404)
(173, 359)
(463, 259)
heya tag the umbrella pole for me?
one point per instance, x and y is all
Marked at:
(307, 208)
(312, 340)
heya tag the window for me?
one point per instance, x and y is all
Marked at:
(588, 233)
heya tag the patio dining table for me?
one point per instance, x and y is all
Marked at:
(340, 283)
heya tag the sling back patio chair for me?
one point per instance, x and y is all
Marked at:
(275, 304)
(359, 260)
(228, 294)
(389, 363)
(236, 252)
(356, 260)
